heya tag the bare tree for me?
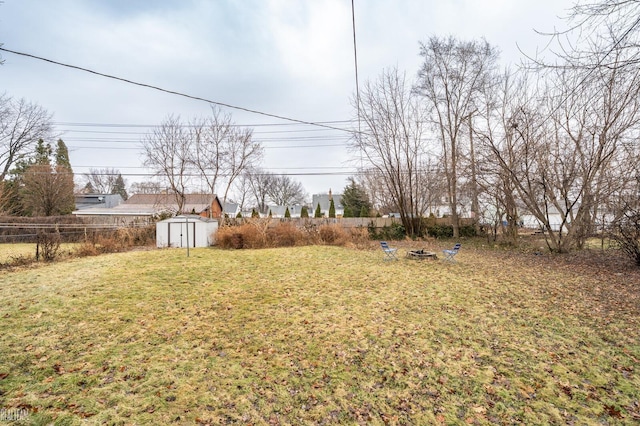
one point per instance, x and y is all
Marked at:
(497, 157)
(561, 148)
(600, 34)
(102, 180)
(167, 152)
(284, 191)
(146, 188)
(451, 80)
(259, 182)
(21, 125)
(48, 190)
(221, 150)
(391, 143)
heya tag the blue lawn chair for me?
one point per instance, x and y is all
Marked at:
(389, 252)
(449, 255)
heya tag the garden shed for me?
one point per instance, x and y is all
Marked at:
(191, 230)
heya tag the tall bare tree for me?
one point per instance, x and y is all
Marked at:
(21, 125)
(562, 148)
(284, 191)
(451, 79)
(167, 150)
(102, 180)
(221, 150)
(599, 34)
(391, 142)
(47, 189)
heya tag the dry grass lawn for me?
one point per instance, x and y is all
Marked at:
(321, 335)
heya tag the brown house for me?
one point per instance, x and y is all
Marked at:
(205, 205)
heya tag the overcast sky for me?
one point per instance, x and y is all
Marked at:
(290, 58)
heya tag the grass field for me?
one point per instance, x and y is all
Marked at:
(321, 335)
(9, 252)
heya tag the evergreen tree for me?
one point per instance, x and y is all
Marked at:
(304, 212)
(287, 214)
(239, 215)
(66, 198)
(62, 155)
(364, 211)
(42, 154)
(347, 212)
(254, 213)
(119, 187)
(318, 212)
(270, 215)
(332, 209)
(355, 198)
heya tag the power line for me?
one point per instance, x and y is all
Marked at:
(172, 92)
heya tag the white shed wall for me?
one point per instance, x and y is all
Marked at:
(173, 232)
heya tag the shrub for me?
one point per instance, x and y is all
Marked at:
(394, 232)
(359, 237)
(625, 230)
(47, 245)
(259, 234)
(285, 235)
(86, 249)
(468, 231)
(440, 231)
(248, 235)
(332, 235)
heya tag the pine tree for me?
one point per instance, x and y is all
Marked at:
(239, 215)
(364, 211)
(119, 187)
(43, 152)
(332, 209)
(347, 212)
(65, 184)
(270, 215)
(62, 155)
(304, 212)
(355, 197)
(287, 214)
(254, 213)
(318, 212)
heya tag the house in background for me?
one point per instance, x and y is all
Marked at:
(146, 208)
(279, 211)
(230, 209)
(325, 201)
(107, 201)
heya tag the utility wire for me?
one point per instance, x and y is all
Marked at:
(172, 92)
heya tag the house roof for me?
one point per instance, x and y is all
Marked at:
(84, 201)
(189, 217)
(325, 202)
(151, 204)
(170, 199)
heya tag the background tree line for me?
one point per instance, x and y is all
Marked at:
(553, 139)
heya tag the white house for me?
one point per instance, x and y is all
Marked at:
(324, 200)
(191, 230)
